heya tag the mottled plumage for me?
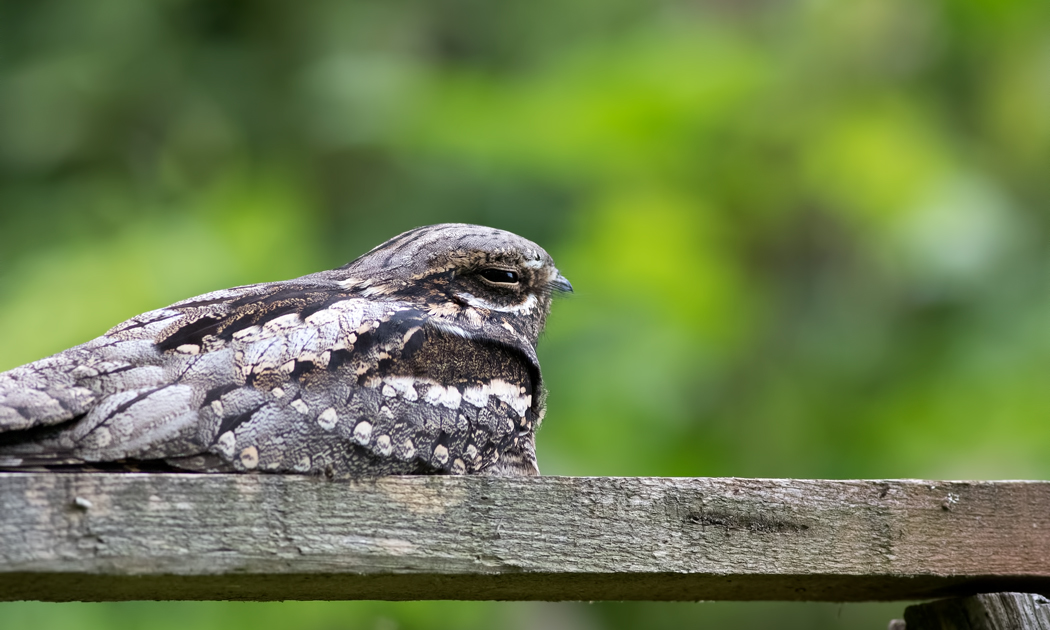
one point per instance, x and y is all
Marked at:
(418, 357)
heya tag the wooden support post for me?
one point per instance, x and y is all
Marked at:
(992, 611)
(110, 536)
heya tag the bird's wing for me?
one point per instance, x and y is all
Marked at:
(137, 391)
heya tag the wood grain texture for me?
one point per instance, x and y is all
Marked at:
(992, 611)
(108, 536)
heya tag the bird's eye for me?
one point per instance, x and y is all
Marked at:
(500, 276)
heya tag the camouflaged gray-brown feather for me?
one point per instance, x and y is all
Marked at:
(418, 357)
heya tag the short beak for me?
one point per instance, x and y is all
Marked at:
(560, 284)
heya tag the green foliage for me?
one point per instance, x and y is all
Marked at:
(808, 239)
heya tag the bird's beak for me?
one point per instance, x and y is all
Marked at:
(560, 283)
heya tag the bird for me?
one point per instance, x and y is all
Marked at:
(418, 357)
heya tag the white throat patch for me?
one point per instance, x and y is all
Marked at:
(476, 302)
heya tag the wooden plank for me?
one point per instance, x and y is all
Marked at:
(109, 536)
(992, 611)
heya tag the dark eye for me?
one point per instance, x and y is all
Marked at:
(500, 276)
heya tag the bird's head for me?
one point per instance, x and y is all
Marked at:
(473, 280)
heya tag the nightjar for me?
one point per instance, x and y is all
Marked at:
(418, 357)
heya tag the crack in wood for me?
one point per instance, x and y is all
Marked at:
(756, 524)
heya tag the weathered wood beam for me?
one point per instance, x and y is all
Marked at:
(992, 611)
(109, 536)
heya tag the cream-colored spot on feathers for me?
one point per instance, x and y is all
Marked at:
(226, 443)
(384, 446)
(250, 457)
(363, 432)
(328, 419)
(441, 454)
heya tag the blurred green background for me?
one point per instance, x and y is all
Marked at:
(808, 238)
